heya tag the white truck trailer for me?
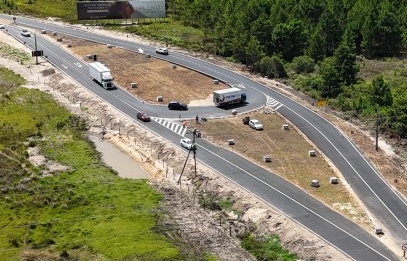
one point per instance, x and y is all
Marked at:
(228, 96)
(101, 74)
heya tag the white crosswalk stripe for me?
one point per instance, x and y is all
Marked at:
(5, 21)
(173, 126)
(272, 104)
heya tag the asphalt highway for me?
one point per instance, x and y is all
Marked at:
(385, 204)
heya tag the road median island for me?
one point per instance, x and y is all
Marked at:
(288, 150)
(153, 76)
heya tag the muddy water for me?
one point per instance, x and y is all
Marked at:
(125, 166)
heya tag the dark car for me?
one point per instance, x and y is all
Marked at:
(176, 105)
(143, 116)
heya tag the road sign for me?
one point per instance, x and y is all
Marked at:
(37, 53)
(404, 247)
(321, 103)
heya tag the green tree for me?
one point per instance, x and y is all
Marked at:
(380, 92)
(288, 39)
(330, 78)
(381, 31)
(345, 63)
(330, 30)
(303, 64)
(253, 52)
(317, 45)
(272, 67)
(398, 111)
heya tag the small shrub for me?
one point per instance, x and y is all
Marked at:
(64, 254)
(303, 64)
(226, 204)
(14, 242)
(60, 125)
(33, 226)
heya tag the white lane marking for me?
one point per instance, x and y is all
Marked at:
(295, 201)
(350, 165)
(78, 64)
(64, 66)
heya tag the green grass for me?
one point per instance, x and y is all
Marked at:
(266, 248)
(85, 211)
(168, 31)
(9, 52)
(65, 9)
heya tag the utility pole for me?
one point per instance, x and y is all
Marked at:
(35, 42)
(377, 128)
(193, 149)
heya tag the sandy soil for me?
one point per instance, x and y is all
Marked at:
(159, 158)
(153, 77)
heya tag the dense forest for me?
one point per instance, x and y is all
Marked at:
(316, 45)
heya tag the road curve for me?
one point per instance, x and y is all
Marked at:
(336, 146)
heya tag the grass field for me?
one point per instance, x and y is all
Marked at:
(87, 211)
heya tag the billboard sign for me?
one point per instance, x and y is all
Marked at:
(97, 10)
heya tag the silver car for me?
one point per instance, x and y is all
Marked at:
(25, 33)
(162, 50)
(256, 124)
(187, 143)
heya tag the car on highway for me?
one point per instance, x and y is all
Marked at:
(256, 124)
(143, 116)
(2, 26)
(177, 105)
(25, 33)
(161, 50)
(188, 144)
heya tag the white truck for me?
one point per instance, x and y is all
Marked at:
(101, 74)
(228, 96)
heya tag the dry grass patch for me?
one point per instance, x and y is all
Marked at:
(290, 160)
(154, 77)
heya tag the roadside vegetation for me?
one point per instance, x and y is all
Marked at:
(84, 212)
(9, 52)
(266, 248)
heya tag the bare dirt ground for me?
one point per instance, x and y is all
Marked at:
(153, 77)
(163, 161)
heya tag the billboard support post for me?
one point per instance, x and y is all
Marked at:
(35, 42)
